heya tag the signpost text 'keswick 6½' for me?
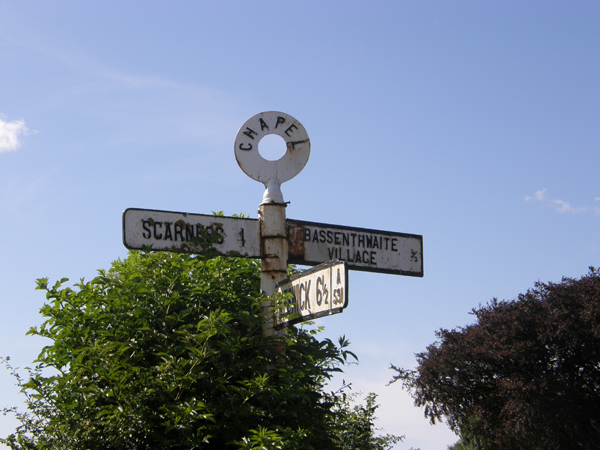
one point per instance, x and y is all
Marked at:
(320, 291)
(317, 292)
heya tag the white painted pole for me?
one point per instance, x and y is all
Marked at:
(274, 256)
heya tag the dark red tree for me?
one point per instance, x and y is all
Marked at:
(526, 375)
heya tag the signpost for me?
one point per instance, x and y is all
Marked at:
(190, 233)
(320, 291)
(317, 292)
(362, 249)
(309, 243)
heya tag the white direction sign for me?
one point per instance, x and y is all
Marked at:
(362, 249)
(317, 292)
(190, 233)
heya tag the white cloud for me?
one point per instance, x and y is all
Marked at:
(562, 206)
(539, 195)
(9, 134)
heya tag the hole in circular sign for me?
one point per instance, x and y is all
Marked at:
(272, 147)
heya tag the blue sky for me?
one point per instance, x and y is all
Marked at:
(474, 124)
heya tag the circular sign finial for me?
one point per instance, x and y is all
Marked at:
(272, 173)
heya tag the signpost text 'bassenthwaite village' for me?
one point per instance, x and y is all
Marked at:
(333, 249)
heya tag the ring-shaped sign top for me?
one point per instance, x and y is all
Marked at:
(272, 122)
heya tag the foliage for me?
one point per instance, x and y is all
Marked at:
(355, 425)
(166, 351)
(526, 375)
(467, 442)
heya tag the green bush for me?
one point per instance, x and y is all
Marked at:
(166, 351)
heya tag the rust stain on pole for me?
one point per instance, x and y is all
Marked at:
(274, 255)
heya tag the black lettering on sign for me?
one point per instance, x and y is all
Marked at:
(246, 149)
(300, 289)
(394, 242)
(338, 296)
(319, 297)
(414, 256)
(289, 130)
(263, 124)
(279, 120)
(349, 258)
(322, 293)
(156, 235)
(307, 234)
(357, 256)
(221, 235)
(147, 234)
(189, 232)
(168, 232)
(249, 132)
(185, 232)
(179, 231)
(332, 252)
(329, 237)
(306, 294)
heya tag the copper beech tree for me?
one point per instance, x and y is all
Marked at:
(525, 375)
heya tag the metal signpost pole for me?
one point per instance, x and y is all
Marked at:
(271, 212)
(274, 255)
